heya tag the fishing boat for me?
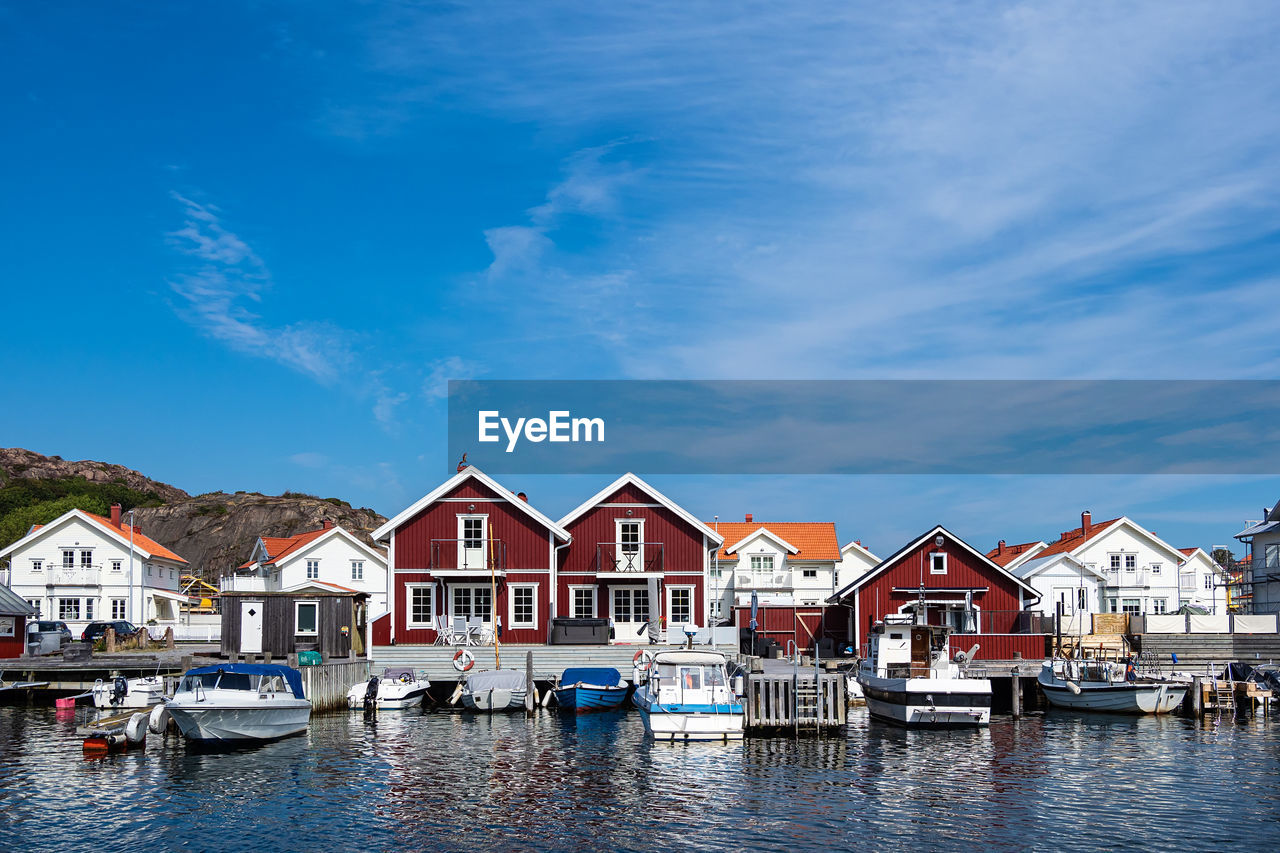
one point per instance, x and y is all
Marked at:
(1089, 685)
(494, 690)
(239, 702)
(908, 678)
(396, 689)
(583, 689)
(684, 694)
(121, 692)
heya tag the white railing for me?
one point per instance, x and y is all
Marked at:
(243, 583)
(78, 576)
(748, 580)
(206, 633)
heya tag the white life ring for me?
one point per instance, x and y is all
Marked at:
(463, 660)
(643, 660)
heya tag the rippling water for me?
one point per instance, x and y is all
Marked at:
(441, 780)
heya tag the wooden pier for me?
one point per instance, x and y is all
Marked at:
(786, 699)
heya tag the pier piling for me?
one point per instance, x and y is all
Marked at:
(1015, 692)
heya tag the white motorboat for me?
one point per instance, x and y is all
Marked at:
(120, 692)
(240, 702)
(495, 690)
(908, 678)
(684, 694)
(1088, 685)
(396, 689)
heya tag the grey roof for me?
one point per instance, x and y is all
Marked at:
(1260, 527)
(12, 604)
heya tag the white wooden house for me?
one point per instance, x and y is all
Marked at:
(855, 561)
(82, 567)
(1202, 583)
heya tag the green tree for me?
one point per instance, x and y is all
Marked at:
(15, 523)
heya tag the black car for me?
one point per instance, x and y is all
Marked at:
(97, 630)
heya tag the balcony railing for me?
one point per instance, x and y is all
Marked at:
(644, 557)
(455, 554)
(773, 580)
(78, 575)
(1138, 577)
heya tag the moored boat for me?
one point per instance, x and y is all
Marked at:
(908, 678)
(685, 695)
(120, 692)
(583, 689)
(396, 689)
(1087, 685)
(495, 690)
(240, 702)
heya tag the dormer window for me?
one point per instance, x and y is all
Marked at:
(937, 563)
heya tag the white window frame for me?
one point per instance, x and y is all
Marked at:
(117, 566)
(119, 607)
(313, 565)
(1113, 605)
(592, 596)
(409, 590)
(1127, 603)
(762, 566)
(512, 589)
(88, 609)
(636, 562)
(1116, 561)
(297, 626)
(1208, 582)
(1130, 562)
(65, 609)
(86, 558)
(357, 570)
(462, 542)
(1159, 606)
(37, 565)
(68, 558)
(473, 588)
(935, 562)
(1155, 568)
(671, 600)
(810, 572)
(35, 605)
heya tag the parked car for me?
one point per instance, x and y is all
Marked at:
(97, 630)
(49, 635)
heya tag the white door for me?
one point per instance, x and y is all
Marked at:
(630, 614)
(251, 627)
(471, 542)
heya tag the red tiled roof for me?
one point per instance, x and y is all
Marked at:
(281, 546)
(146, 543)
(1188, 551)
(1073, 539)
(816, 540)
(1003, 558)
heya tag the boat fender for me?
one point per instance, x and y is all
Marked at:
(457, 694)
(463, 660)
(1073, 687)
(136, 729)
(546, 698)
(158, 720)
(642, 660)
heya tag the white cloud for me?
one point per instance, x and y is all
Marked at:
(309, 459)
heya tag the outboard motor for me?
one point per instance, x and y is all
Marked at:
(119, 690)
(371, 698)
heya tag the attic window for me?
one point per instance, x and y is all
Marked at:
(937, 563)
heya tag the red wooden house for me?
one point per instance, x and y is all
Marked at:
(955, 585)
(636, 558)
(469, 550)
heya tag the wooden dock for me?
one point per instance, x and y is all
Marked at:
(799, 702)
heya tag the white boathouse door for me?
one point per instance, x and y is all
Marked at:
(630, 614)
(251, 627)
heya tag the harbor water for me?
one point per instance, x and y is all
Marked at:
(413, 781)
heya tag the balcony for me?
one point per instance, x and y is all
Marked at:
(635, 558)
(1139, 577)
(79, 575)
(770, 581)
(468, 555)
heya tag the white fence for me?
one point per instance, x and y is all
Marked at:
(1197, 624)
(200, 632)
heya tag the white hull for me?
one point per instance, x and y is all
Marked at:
(390, 697)
(273, 719)
(142, 693)
(1116, 698)
(497, 699)
(928, 702)
(706, 725)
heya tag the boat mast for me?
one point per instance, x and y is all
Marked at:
(493, 604)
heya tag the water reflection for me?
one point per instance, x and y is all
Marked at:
(406, 781)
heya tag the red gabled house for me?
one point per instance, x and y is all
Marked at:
(636, 558)
(955, 585)
(469, 550)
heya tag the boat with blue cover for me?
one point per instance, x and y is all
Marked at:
(591, 688)
(239, 702)
(685, 695)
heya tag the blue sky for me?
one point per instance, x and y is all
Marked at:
(246, 244)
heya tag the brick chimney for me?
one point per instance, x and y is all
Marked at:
(522, 496)
(328, 524)
(1086, 522)
(1000, 547)
(748, 518)
(115, 516)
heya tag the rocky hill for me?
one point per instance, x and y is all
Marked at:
(214, 532)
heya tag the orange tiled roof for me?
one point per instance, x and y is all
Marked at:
(1073, 539)
(816, 540)
(1188, 551)
(281, 546)
(1003, 558)
(146, 543)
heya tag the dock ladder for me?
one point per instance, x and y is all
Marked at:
(1224, 693)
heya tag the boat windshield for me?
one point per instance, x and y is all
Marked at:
(227, 681)
(205, 679)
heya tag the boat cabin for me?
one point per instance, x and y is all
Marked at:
(262, 679)
(902, 648)
(688, 680)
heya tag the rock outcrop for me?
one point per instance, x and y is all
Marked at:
(17, 463)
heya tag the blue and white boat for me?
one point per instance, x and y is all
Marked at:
(685, 695)
(591, 688)
(239, 702)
